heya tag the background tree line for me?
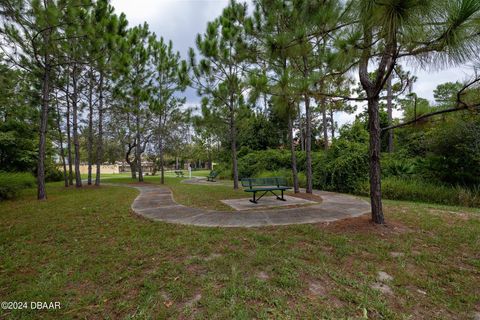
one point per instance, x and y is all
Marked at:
(270, 78)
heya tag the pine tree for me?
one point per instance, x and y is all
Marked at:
(220, 74)
(391, 30)
(171, 77)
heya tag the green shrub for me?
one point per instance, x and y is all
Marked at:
(256, 162)
(342, 167)
(454, 152)
(395, 188)
(266, 160)
(224, 171)
(11, 183)
(53, 174)
(398, 166)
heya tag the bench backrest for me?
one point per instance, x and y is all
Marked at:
(263, 182)
(213, 174)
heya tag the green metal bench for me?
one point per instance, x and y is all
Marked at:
(179, 173)
(212, 175)
(265, 185)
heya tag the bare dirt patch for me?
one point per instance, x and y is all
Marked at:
(262, 275)
(316, 288)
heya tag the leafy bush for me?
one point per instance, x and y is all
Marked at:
(454, 152)
(224, 171)
(343, 167)
(253, 163)
(11, 183)
(53, 174)
(394, 165)
(395, 188)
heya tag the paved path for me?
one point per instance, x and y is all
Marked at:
(156, 203)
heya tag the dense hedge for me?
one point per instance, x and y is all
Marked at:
(11, 183)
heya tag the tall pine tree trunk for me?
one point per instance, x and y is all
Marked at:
(323, 107)
(374, 154)
(90, 128)
(301, 131)
(293, 156)
(100, 131)
(233, 141)
(308, 145)
(138, 150)
(160, 150)
(332, 124)
(69, 133)
(41, 191)
(162, 164)
(389, 113)
(62, 150)
(76, 141)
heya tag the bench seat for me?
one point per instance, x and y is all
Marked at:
(267, 189)
(265, 185)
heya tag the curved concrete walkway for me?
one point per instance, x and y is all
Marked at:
(156, 203)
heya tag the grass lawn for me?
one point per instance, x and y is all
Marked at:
(86, 249)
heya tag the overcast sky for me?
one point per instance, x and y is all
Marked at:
(181, 20)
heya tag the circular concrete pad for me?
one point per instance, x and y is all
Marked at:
(156, 203)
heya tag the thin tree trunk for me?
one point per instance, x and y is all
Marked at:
(41, 191)
(76, 141)
(332, 124)
(375, 172)
(308, 145)
(62, 151)
(100, 131)
(389, 113)
(233, 141)
(69, 133)
(293, 156)
(323, 107)
(162, 164)
(138, 152)
(90, 128)
(160, 151)
(300, 127)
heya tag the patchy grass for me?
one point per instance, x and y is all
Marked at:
(86, 249)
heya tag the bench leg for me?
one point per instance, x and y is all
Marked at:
(279, 198)
(254, 200)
